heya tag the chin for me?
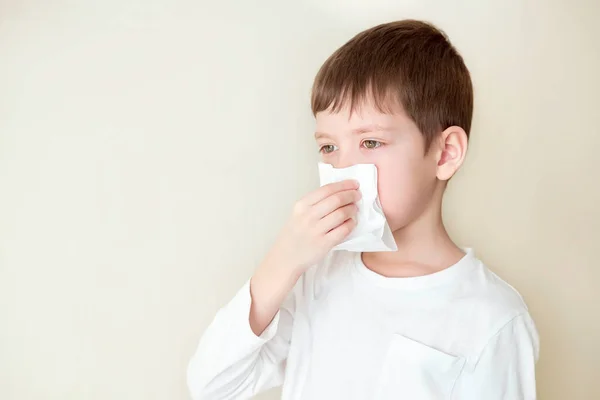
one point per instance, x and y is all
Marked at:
(399, 221)
(397, 224)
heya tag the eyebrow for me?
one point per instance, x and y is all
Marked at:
(358, 131)
(369, 128)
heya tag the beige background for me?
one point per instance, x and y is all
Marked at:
(150, 151)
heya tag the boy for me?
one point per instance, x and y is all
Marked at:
(428, 321)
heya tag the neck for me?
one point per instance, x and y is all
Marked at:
(424, 244)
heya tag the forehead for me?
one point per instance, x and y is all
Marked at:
(365, 117)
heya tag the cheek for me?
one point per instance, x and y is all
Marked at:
(404, 190)
(395, 188)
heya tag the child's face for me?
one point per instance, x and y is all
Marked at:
(406, 174)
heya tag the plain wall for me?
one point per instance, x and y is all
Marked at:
(151, 150)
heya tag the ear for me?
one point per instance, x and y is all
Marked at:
(451, 153)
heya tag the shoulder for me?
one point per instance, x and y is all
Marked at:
(491, 307)
(492, 298)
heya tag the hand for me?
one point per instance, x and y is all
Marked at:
(320, 221)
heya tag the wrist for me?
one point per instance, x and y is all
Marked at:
(279, 265)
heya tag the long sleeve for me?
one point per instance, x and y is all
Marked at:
(231, 362)
(505, 369)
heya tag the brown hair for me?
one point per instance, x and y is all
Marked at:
(410, 63)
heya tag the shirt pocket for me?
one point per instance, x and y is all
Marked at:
(414, 371)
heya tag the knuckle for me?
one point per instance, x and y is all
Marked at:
(299, 208)
(337, 202)
(349, 225)
(350, 211)
(341, 233)
(346, 225)
(312, 231)
(329, 189)
(341, 214)
(305, 226)
(348, 228)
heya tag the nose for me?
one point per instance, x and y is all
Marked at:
(346, 159)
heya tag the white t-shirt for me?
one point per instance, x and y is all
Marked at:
(346, 333)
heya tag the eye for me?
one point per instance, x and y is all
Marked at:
(328, 148)
(371, 144)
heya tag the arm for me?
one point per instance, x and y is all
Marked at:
(505, 369)
(231, 361)
(243, 351)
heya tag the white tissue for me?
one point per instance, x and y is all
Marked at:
(372, 232)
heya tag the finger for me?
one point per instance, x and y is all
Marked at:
(327, 190)
(334, 202)
(337, 218)
(338, 234)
